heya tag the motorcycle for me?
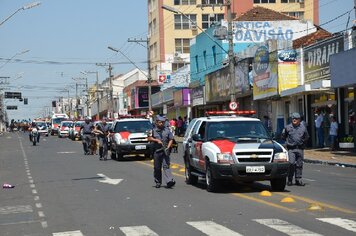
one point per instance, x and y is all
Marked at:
(34, 136)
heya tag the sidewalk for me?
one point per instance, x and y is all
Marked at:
(322, 156)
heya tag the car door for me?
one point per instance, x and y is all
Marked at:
(196, 146)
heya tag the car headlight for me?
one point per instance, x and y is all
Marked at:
(225, 158)
(281, 157)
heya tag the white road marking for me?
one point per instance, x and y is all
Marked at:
(343, 223)
(31, 181)
(34, 191)
(38, 205)
(311, 180)
(66, 152)
(138, 231)
(41, 214)
(32, 186)
(69, 233)
(107, 180)
(15, 209)
(285, 227)
(211, 228)
(44, 224)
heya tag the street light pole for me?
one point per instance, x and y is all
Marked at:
(231, 52)
(31, 5)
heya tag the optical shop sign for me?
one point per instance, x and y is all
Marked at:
(260, 31)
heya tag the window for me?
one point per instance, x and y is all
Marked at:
(182, 45)
(154, 26)
(289, 1)
(185, 2)
(197, 63)
(205, 62)
(176, 66)
(297, 14)
(212, 1)
(265, 1)
(208, 20)
(182, 22)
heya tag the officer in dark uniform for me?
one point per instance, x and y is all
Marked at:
(102, 131)
(162, 137)
(296, 136)
(86, 128)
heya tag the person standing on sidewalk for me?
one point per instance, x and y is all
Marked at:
(319, 123)
(162, 137)
(333, 133)
(296, 136)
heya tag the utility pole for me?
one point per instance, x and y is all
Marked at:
(231, 44)
(149, 77)
(110, 101)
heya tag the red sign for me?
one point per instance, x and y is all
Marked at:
(233, 106)
(162, 78)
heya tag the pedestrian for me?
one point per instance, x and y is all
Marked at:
(173, 125)
(296, 136)
(86, 129)
(162, 137)
(319, 123)
(179, 126)
(333, 133)
(102, 131)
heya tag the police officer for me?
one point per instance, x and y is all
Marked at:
(102, 131)
(162, 137)
(296, 136)
(86, 128)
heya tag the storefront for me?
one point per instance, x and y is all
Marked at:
(343, 79)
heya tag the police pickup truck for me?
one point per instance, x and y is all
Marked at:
(129, 136)
(230, 146)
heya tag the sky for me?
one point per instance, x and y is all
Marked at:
(52, 43)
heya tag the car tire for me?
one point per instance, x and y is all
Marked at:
(119, 157)
(148, 156)
(278, 185)
(212, 184)
(113, 155)
(189, 178)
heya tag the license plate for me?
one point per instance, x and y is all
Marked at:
(140, 147)
(255, 169)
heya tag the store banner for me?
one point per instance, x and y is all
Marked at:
(317, 58)
(264, 73)
(217, 85)
(197, 95)
(287, 70)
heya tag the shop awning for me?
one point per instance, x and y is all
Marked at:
(315, 86)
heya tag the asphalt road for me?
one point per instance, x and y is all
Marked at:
(59, 191)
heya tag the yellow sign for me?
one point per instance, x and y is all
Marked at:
(287, 76)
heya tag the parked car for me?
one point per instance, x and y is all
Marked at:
(233, 148)
(74, 132)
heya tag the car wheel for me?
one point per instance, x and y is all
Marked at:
(278, 184)
(113, 155)
(212, 184)
(119, 157)
(148, 156)
(189, 178)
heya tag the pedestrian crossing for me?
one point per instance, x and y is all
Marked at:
(211, 228)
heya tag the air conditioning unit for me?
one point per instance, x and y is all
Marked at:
(193, 27)
(177, 55)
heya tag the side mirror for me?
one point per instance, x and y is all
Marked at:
(197, 138)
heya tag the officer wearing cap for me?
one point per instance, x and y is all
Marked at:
(86, 128)
(162, 137)
(102, 131)
(296, 136)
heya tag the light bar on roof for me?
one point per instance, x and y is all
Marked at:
(216, 113)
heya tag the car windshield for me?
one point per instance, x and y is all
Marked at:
(41, 124)
(236, 130)
(57, 120)
(133, 126)
(78, 124)
(66, 124)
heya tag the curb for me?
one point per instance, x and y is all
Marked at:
(331, 163)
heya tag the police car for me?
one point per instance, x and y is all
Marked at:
(129, 136)
(230, 146)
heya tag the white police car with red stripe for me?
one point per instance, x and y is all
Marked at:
(231, 146)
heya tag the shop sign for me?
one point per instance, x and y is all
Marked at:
(197, 95)
(288, 70)
(264, 73)
(178, 97)
(218, 85)
(317, 58)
